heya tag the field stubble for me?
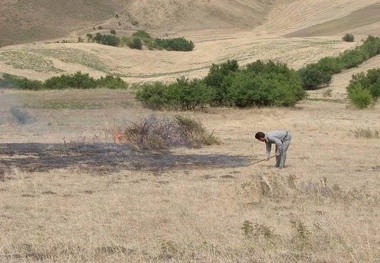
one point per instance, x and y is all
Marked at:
(323, 207)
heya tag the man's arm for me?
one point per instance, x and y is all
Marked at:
(268, 149)
(278, 143)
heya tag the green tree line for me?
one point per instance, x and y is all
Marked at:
(258, 84)
(319, 74)
(71, 81)
(261, 83)
(141, 38)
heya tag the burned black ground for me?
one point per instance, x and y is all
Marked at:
(101, 157)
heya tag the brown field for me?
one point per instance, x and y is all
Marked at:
(69, 194)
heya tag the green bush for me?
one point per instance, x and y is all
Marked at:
(263, 84)
(266, 89)
(359, 96)
(74, 81)
(110, 40)
(330, 65)
(11, 81)
(370, 80)
(153, 95)
(313, 77)
(259, 84)
(364, 88)
(176, 44)
(190, 94)
(182, 95)
(352, 58)
(111, 82)
(136, 43)
(216, 76)
(371, 46)
(348, 38)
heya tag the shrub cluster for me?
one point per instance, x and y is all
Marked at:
(263, 84)
(175, 44)
(364, 88)
(258, 84)
(141, 38)
(74, 81)
(319, 74)
(184, 94)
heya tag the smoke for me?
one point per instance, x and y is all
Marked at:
(11, 103)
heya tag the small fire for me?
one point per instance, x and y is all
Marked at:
(119, 137)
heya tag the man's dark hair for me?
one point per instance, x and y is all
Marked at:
(259, 135)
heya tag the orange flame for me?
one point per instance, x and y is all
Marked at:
(119, 137)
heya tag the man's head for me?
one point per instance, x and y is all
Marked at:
(260, 136)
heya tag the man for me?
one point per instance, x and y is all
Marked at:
(281, 139)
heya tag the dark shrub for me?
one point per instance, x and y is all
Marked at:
(349, 38)
(313, 77)
(175, 44)
(77, 81)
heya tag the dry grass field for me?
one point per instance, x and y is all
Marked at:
(69, 194)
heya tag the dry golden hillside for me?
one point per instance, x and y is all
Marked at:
(25, 21)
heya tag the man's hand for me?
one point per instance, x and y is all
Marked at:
(278, 154)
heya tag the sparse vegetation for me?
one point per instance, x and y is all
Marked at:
(156, 133)
(366, 133)
(28, 60)
(73, 55)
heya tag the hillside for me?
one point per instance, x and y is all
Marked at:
(294, 32)
(24, 21)
(71, 193)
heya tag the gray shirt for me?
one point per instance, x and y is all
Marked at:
(276, 137)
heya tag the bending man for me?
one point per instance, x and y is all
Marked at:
(281, 139)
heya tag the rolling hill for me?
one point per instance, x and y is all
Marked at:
(39, 40)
